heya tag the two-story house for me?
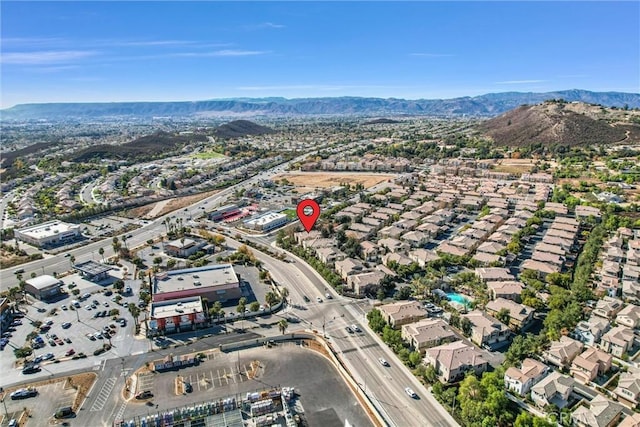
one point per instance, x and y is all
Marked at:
(562, 352)
(452, 361)
(520, 380)
(600, 412)
(402, 312)
(590, 364)
(617, 341)
(555, 389)
(428, 333)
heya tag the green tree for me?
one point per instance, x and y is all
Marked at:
(376, 321)
(271, 298)
(283, 325)
(101, 252)
(504, 315)
(466, 326)
(254, 306)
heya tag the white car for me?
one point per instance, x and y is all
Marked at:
(318, 299)
(383, 362)
(410, 392)
(356, 328)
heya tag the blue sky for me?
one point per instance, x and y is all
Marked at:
(164, 51)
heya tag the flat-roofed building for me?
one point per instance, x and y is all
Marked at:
(49, 234)
(177, 315)
(43, 287)
(214, 282)
(183, 248)
(92, 270)
(267, 221)
(224, 212)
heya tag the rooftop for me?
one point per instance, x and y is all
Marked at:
(202, 277)
(177, 307)
(92, 268)
(47, 229)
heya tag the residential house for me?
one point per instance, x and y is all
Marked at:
(494, 274)
(590, 331)
(423, 256)
(629, 316)
(399, 259)
(510, 290)
(522, 379)
(555, 389)
(402, 312)
(365, 283)
(485, 330)
(519, 315)
(562, 352)
(415, 239)
(632, 420)
(391, 232)
(608, 307)
(393, 245)
(348, 267)
(617, 341)
(452, 361)
(600, 412)
(590, 364)
(370, 251)
(329, 255)
(541, 268)
(631, 290)
(629, 386)
(428, 333)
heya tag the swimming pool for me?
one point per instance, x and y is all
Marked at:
(459, 298)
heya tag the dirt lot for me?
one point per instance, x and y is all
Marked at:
(311, 180)
(168, 206)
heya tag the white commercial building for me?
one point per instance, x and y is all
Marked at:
(267, 221)
(48, 233)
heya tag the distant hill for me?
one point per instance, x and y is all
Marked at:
(148, 146)
(240, 128)
(563, 123)
(381, 121)
(488, 105)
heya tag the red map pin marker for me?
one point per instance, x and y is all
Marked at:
(308, 220)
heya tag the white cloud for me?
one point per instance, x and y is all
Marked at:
(223, 52)
(44, 57)
(432, 55)
(519, 82)
(263, 26)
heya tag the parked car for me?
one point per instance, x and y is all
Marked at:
(64, 412)
(31, 369)
(47, 356)
(24, 393)
(144, 395)
(318, 299)
(66, 325)
(67, 340)
(70, 352)
(306, 298)
(64, 307)
(91, 337)
(188, 387)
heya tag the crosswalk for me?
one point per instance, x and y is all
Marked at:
(103, 395)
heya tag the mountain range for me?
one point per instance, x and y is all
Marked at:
(488, 105)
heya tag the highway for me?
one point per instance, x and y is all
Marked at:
(359, 352)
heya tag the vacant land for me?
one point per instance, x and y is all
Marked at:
(311, 180)
(154, 210)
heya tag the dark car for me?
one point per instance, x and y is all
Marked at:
(31, 369)
(188, 387)
(64, 412)
(144, 395)
(306, 298)
(24, 393)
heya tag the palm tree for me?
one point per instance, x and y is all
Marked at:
(242, 306)
(101, 252)
(271, 298)
(135, 312)
(283, 325)
(284, 292)
(124, 240)
(72, 260)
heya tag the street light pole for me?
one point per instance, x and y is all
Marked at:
(6, 413)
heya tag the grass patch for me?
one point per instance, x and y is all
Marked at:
(290, 213)
(207, 155)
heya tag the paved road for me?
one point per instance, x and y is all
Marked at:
(360, 352)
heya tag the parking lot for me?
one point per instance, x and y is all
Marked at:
(326, 398)
(42, 407)
(68, 328)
